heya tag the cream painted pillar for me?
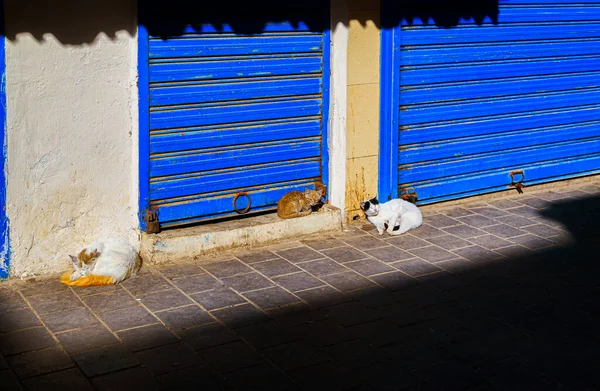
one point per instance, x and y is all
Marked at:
(362, 126)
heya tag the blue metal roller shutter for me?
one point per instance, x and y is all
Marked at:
(470, 104)
(232, 112)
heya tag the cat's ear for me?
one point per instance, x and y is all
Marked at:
(362, 205)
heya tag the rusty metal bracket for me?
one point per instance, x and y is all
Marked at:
(518, 184)
(247, 208)
(151, 220)
(408, 194)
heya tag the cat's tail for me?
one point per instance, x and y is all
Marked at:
(91, 280)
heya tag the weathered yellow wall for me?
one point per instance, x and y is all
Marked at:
(362, 128)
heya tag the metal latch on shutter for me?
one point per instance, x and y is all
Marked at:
(408, 194)
(518, 184)
(151, 220)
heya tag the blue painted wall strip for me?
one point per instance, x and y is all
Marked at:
(4, 228)
(388, 139)
(325, 102)
(144, 120)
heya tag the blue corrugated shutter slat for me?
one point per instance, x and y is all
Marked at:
(236, 112)
(473, 102)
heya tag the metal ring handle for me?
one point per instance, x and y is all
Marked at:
(517, 172)
(247, 208)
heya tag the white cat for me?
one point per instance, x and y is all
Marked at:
(396, 213)
(103, 263)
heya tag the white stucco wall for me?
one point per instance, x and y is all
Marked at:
(72, 128)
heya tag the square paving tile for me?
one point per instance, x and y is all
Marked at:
(146, 283)
(183, 270)
(426, 232)
(168, 358)
(276, 267)
(322, 267)
(133, 378)
(416, 267)
(298, 282)
(394, 281)
(490, 242)
(79, 340)
(514, 252)
(515, 221)
(247, 282)
(525, 211)
(10, 300)
(106, 359)
(366, 242)
(323, 243)
(71, 379)
(110, 301)
(25, 341)
(440, 221)
(369, 267)
(295, 355)
(198, 283)
(55, 302)
(348, 281)
(159, 301)
(464, 231)
(449, 242)
(127, 318)
(504, 231)
(265, 335)
(532, 242)
(271, 298)
(345, 254)
(477, 221)
(207, 336)
(70, 319)
(226, 268)
(407, 242)
(230, 357)
(82, 291)
(299, 254)
(535, 202)
(490, 212)
(390, 253)
(241, 315)
(433, 254)
(256, 256)
(477, 254)
(192, 378)
(322, 297)
(147, 337)
(48, 287)
(17, 320)
(457, 266)
(218, 298)
(457, 212)
(40, 362)
(185, 318)
(543, 230)
(355, 354)
(504, 204)
(253, 378)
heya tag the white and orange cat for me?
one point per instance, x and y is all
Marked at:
(104, 262)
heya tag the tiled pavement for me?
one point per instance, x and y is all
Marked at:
(485, 296)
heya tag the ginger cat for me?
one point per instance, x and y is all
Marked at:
(298, 204)
(103, 263)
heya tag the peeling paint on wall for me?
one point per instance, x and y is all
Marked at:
(5, 250)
